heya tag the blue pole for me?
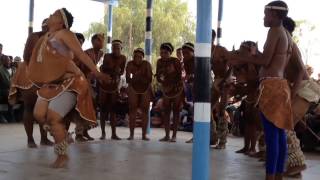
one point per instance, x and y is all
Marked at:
(202, 106)
(31, 12)
(109, 31)
(148, 45)
(219, 28)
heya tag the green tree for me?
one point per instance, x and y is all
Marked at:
(171, 23)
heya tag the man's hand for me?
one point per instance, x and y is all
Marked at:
(103, 78)
(235, 59)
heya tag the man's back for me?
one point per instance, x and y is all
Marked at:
(30, 44)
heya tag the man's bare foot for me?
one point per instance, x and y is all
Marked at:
(173, 139)
(61, 161)
(46, 142)
(220, 146)
(115, 137)
(165, 139)
(89, 138)
(251, 152)
(291, 171)
(190, 141)
(80, 138)
(103, 136)
(32, 144)
(295, 176)
(259, 154)
(130, 138)
(145, 138)
(243, 150)
(263, 159)
(214, 142)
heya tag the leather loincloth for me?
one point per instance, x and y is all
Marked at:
(275, 103)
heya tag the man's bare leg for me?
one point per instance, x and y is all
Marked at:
(44, 137)
(176, 121)
(132, 121)
(145, 115)
(145, 125)
(28, 126)
(103, 118)
(166, 120)
(177, 104)
(246, 138)
(253, 139)
(59, 133)
(113, 122)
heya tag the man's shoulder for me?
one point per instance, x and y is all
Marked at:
(176, 60)
(123, 57)
(35, 36)
(146, 63)
(130, 63)
(107, 56)
(88, 50)
(39, 33)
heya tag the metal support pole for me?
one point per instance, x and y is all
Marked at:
(148, 45)
(109, 30)
(219, 28)
(31, 12)
(202, 106)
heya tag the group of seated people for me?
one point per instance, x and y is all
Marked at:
(8, 66)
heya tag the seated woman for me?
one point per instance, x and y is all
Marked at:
(62, 86)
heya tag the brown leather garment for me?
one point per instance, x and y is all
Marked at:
(80, 86)
(275, 103)
(50, 76)
(52, 66)
(19, 81)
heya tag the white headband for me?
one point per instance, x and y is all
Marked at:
(188, 46)
(277, 8)
(117, 42)
(168, 46)
(64, 17)
(139, 50)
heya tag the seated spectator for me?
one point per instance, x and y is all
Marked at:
(156, 111)
(186, 116)
(122, 108)
(15, 64)
(5, 76)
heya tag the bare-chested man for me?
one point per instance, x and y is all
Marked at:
(20, 83)
(220, 90)
(248, 83)
(139, 77)
(114, 66)
(274, 102)
(188, 62)
(188, 66)
(169, 76)
(96, 54)
(304, 91)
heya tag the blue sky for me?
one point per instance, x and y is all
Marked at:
(242, 20)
